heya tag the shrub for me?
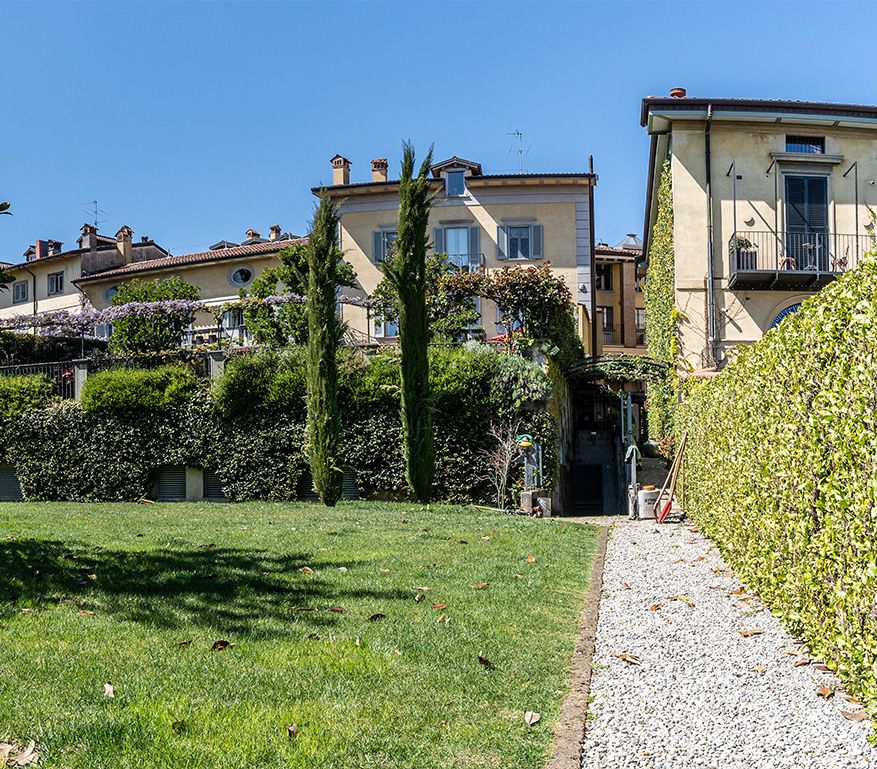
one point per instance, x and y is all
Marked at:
(267, 381)
(21, 393)
(153, 331)
(780, 470)
(27, 348)
(137, 389)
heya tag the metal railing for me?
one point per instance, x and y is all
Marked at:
(610, 336)
(765, 251)
(197, 361)
(62, 374)
(466, 262)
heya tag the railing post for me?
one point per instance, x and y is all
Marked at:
(80, 374)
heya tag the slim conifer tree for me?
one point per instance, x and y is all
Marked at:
(407, 273)
(324, 334)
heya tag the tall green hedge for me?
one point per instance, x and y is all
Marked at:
(659, 298)
(20, 393)
(781, 470)
(251, 429)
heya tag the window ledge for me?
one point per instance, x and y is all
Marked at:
(807, 157)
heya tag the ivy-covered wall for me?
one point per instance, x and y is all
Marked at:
(781, 471)
(659, 298)
(250, 429)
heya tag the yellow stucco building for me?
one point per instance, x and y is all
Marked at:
(770, 203)
(481, 221)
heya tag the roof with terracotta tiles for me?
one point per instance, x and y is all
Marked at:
(199, 257)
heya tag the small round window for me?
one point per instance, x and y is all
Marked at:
(110, 293)
(241, 276)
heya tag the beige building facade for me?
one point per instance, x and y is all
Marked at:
(481, 221)
(770, 204)
(619, 298)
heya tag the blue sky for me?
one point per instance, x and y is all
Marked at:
(193, 121)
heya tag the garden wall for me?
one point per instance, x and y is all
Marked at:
(249, 428)
(781, 471)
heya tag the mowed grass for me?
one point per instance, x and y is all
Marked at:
(136, 596)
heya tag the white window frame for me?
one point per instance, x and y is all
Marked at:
(233, 270)
(514, 226)
(20, 295)
(381, 327)
(59, 276)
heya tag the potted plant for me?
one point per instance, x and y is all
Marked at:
(747, 253)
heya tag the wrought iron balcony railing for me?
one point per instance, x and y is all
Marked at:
(467, 262)
(792, 260)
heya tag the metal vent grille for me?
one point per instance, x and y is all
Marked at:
(213, 487)
(349, 487)
(10, 488)
(170, 484)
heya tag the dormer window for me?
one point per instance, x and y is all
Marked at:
(808, 145)
(455, 183)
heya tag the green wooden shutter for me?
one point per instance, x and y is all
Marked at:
(474, 247)
(377, 246)
(438, 240)
(502, 242)
(536, 241)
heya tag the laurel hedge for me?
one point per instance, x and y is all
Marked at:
(781, 471)
(250, 428)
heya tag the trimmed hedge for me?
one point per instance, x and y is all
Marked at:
(26, 348)
(250, 430)
(138, 389)
(781, 471)
(21, 393)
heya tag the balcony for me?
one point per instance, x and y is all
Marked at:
(610, 336)
(791, 261)
(466, 262)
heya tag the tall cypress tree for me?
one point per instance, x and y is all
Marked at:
(324, 334)
(407, 273)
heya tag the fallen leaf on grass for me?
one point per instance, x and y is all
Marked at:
(802, 661)
(86, 612)
(854, 715)
(531, 718)
(306, 570)
(480, 585)
(221, 645)
(109, 690)
(342, 569)
(462, 542)
(485, 538)
(337, 608)
(27, 756)
(630, 659)
(750, 633)
(183, 644)
(377, 617)
(422, 589)
(654, 607)
(531, 559)
(439, 606)
(384, 571)
(291, 731)
(825, 691)
(482, 660)
(823, 668)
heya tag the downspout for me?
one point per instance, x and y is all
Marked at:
(35, 303)
(593, 269)
(710, 275)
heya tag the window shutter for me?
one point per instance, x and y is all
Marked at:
(817, 204)
(377, 246)
(502, 242)
(438, 240)
(795, 195)
(474, 247)
(536, 241)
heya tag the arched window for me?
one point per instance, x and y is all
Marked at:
(784, 314)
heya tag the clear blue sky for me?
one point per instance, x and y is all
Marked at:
(192, 122)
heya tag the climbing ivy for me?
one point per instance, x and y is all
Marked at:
(780, 470)
(662, 318)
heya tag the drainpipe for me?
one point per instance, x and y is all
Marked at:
(710, 288)
(35, 303)
(593, 269)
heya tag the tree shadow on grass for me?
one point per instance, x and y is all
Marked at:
(230, 590)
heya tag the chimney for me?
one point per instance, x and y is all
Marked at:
(677, 93)
(274, 229)
(379, 170)
(253, 234)
(123, 244)
(42, 250)
(340, 170)
(54, 247)
(89, 237)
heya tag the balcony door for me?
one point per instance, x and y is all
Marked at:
(806, 246)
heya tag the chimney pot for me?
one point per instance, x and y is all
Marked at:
(678, 93)
(340, 170)
(379, 170)
(253, 234)
(274, 229)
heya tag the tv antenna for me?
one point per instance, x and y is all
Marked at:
(519, 136)
(95, 213)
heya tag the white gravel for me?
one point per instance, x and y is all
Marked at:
(703, 695)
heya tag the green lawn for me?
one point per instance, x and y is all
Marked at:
(136, 596)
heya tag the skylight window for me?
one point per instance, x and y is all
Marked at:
(808, 145)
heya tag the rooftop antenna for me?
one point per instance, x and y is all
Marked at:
(95, 213)
(520, 150)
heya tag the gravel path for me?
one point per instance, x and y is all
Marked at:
(704, 695)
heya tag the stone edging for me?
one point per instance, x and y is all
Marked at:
(567, 747)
